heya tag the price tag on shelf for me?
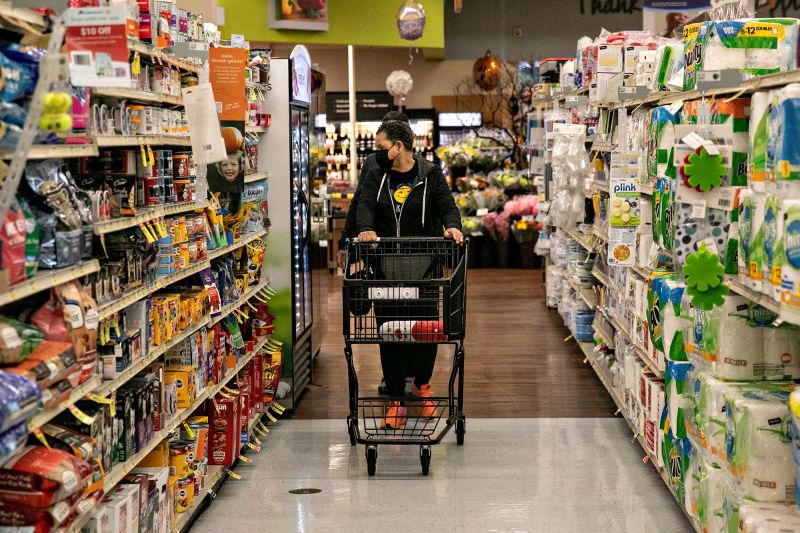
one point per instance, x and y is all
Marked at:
(244, 459)
(272, 418)
(258, 442)
(253, 447)
(81, 416)
(234, 475)
(189, 431)
(40, 435)
(278, 408)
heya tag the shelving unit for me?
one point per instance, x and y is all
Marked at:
(161, 56)
(46, 415)
(47, 151)
(258, 176)
(145, 215)
(47, 279)
(256, 129)
(135, 94)
(242, 242)
(121, 470)
(119, 141)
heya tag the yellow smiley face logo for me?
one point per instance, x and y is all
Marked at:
(401, 194)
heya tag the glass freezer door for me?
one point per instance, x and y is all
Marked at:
(301, 226)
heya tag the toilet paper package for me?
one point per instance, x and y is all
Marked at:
(781, 353)
(708, 491)
(758, 440)
(677, 455)
(706, 424)
(790, 272)
(768, 518)
(759, 137)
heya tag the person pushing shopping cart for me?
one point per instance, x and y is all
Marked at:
(405, 289)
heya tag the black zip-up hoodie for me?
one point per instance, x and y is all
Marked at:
(427, 211)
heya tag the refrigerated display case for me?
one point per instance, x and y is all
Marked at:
(455, 126)
(284, 154)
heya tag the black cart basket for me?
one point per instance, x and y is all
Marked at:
(406, 291)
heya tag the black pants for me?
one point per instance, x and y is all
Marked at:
(401, 360)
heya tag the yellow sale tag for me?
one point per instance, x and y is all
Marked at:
(136, 65)
(114, 405)
(80, 415)
(278, 406)
(253, 446)
(234, 475)
(144, 155)
(189, 431)
(147, 235)
(152, 157)
(258, 431)
(226, 396)
(272, 418)
(41, 437)
(258, 443)
(245, 459)
(99, 399)
(264, 428)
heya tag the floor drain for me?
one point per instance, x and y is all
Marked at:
(305, 491)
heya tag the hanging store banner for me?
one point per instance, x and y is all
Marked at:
(664, 17)
(370, 106)
(226, 74)
(97, 47)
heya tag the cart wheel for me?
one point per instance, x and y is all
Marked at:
(461, 429)
(372, 459)
(351, 429)
(425, 459)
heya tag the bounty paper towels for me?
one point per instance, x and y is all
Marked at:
(790, 274)
(665, 322)
(787, 116)
(759, 136)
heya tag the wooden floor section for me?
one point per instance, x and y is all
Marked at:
(517, 362)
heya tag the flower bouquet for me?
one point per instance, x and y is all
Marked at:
(465, 203)
(471, 225)
(490, 198)
(456, 155)
(524, 231)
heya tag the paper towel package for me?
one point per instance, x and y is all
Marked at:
(790, 274)
(758, 442)
(768, 518)
(790, 26)
(706, 425)
(661, 141)
(759, 137)
(786, 113)
(756, 252)
(781, 353)
(707, 496)
(676, 383)
(745, 227)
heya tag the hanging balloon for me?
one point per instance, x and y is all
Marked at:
(399, 83)
(411, 20)
(487, 71)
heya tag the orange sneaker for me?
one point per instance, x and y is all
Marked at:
(427, 408)
(396, 416)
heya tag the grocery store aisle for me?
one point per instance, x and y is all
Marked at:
(517, 363)
(540, 474)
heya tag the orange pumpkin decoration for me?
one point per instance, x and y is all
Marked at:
(233, 139)
(487, 71)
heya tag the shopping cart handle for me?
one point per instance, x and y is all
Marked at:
(405, 239)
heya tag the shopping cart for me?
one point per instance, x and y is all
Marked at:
(405, 291)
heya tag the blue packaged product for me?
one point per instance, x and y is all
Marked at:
(19, 398)
(787, 149)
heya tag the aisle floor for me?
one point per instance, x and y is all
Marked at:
(539, 475)
(543, 451)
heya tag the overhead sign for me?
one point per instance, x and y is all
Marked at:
(301, 74)
(370, 106)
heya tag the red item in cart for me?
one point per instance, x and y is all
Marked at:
(428, 331)
(223, 428)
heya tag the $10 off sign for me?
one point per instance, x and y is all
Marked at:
(97, 47)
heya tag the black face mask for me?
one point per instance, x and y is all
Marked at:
(382, 158)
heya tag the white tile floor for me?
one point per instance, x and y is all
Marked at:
(536, 475)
